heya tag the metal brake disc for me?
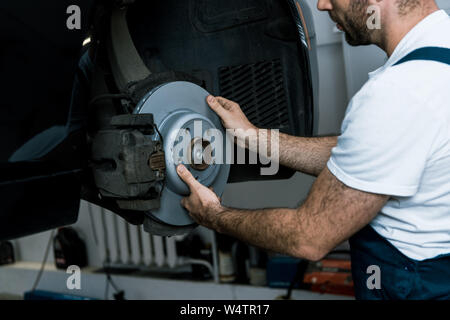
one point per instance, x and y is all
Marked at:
(181, 113)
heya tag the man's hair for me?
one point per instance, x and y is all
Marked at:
(406, 6)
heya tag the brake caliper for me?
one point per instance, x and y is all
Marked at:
(128, 165)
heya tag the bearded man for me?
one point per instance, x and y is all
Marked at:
(384, 183)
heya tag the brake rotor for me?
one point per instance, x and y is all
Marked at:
(180, 110)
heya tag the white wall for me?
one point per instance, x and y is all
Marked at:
(444, 4)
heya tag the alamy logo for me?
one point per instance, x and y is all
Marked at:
(73, 22)
(374, 280)
(74, 281)
(374, 21)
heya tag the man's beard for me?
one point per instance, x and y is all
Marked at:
(355, 24)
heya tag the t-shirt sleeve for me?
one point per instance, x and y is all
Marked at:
(387, 136)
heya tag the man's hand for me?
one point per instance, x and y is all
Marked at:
(234, 118)
(230, 113)
(203, 204)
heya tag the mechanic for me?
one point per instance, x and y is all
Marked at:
(384, 183)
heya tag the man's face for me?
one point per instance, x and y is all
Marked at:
(351, 17)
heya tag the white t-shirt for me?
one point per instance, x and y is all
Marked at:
(396, 141)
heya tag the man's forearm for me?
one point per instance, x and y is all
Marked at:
(307, 155)
(277, 230)
(331, 214)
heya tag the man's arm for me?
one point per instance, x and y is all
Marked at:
(331, 214)
(308, 155)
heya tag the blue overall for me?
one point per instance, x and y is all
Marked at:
(401, 277)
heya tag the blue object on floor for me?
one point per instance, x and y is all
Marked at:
(48, 295)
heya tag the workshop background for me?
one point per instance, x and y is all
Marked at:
(342, 71)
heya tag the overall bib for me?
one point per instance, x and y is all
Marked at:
(400, 277)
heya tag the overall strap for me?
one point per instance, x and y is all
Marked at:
(437, 54)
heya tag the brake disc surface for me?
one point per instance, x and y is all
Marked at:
(180, 110)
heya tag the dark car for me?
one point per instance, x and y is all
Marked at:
(63, 87)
